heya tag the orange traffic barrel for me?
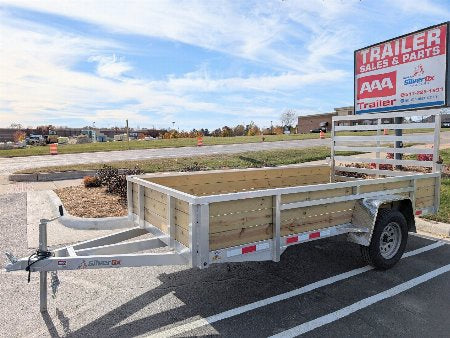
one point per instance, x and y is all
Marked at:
(54, 149)
(199, 141)
(322, 134)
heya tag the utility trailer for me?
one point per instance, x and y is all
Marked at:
(222, 216)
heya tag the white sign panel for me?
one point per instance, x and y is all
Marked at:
(409, 72)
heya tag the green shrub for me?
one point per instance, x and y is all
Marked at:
(115, 182)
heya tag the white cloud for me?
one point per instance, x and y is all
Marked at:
(110, 66)
(39, 83)
(250, 29)
(301, 44)
(424, 7)
(194, 82)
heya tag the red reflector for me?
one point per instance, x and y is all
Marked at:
(292, 239)
(419, 212)
(249, 249)
(314, 235)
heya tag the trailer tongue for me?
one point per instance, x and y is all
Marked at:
(204, 218)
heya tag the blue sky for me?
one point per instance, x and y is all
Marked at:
(202, 64)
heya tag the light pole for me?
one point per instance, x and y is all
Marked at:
(173, 125)
(271, 128)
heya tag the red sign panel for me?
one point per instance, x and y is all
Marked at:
(410, 48)
(378, 85)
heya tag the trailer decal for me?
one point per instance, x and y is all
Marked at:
(248, 249)
(308, 236)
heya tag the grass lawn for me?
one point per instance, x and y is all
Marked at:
(153, 144)
(444, 208)
(254, 159)
(171, 143)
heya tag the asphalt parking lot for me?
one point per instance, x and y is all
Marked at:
(320, 288)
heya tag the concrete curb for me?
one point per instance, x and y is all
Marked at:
(432, 227)
(82, 223)
(53, 176)
(56, 176)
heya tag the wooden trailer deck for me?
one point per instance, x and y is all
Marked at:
(239, 221)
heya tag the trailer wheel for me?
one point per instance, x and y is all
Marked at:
(388, 240)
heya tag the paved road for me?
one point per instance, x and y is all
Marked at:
(10, 165)
(321, 288)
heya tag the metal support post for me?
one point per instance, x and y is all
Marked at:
(43, 274)
(276, 221)
(398, 144)
(171, 220)
(130, 199)
(332, 154)
(141, 206)
(193, 233)
(437, 166)
(203, 236)
(437, 135)
(378, 146)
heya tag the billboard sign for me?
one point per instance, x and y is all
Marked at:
(406, 73)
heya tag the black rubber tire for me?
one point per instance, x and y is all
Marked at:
(371, 254)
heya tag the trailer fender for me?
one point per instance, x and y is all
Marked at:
(366, 212)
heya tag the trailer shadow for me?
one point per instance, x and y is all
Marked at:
(225, 286)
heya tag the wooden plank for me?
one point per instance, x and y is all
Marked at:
(230, 187)
(305, 212)
(425, 191)
(156, 220)
(156, 206)
(309, 219)
(301, 171)
(160, 209)
(227, 207)
(135, 203)
(180, 179)
(182, 206)
(239, 236)
(240, 220)
(313, 195)
(298, 180)
(424, 202)
(182, 235)
(385, 186)
(156, 195)
(317, 223)
(424, 182)
(182, 219)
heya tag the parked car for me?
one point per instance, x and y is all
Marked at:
(35, 140)
(322, 127)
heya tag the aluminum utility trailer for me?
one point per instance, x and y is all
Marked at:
(224, 216)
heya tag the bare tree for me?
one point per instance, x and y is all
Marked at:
(288, 118)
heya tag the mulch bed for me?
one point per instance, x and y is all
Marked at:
(91, 202)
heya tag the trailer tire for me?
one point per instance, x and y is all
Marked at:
(388, 240)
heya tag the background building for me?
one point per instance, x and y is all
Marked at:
(310, 122)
